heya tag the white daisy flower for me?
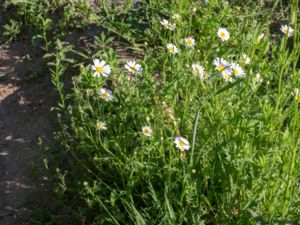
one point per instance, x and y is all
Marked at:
(105, 94)
(204, 75)
(147, 131)
(246, 59)
(227, 77)
(237, 70)
(296, 94)
(197, 69)
(182, 143)
(258, 78)
(167, 25)
(133, 67)
(189, 42)
(101, 125)
(222, 66)
(176, 16)
(101, 68)
(194, 74)
(172, 48)
(223, 34)
(227, 71)
(287, 30)
(260, 37)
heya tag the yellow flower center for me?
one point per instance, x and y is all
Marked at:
(297, 97)
(104, 95)
(189, 42)
(99, 69)
(133, 69)
(258, 39)
(223, 34)
(194, 74)
(100, 125)
(235, 71)
(146, 131)
(220, 67)
(171, 49)
(227, 77)
(181, 143)
(205, 75)
(167, 25)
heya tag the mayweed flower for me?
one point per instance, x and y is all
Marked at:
(101, 125)
(101, 68)
(147, 131)
(222, 66)
(260, 37)
(172, 48)
(182, 144)
(287, 30)
(204, 75)
(258, 78)
(197, 69)
(223, 34)
(167, 25)
(189, 42)
(176, 16)
(133, 67)
(194, 74)
(227, 77)
(296, 94)
(237, 70)
(246, 59)
(105, 94)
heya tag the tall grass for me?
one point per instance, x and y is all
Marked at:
(243, 165)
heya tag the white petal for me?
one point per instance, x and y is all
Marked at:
(96, 62)
(102, 63)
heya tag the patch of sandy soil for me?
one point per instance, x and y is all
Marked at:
(24, 117)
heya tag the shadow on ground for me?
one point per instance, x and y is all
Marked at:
(24, 117)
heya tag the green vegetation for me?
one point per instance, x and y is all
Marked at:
(238, 159)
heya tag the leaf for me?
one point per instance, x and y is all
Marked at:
(81, 54)
(195, 133)
(225, 88)
(113, 198)
(3, 75)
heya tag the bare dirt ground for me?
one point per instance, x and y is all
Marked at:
(24, 117)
